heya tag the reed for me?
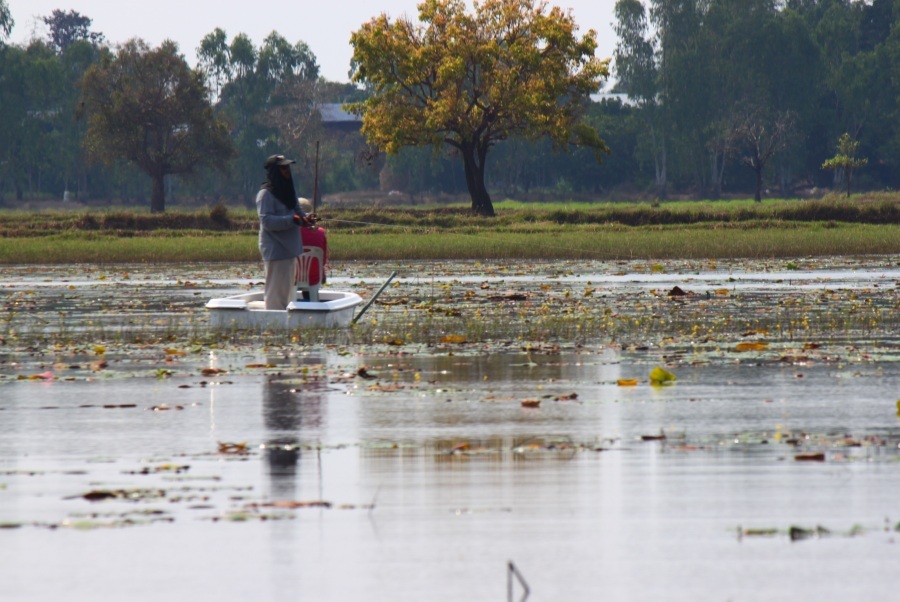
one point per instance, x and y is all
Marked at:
(833, 225)
(525, 241)
(101, 249)
(874, 208)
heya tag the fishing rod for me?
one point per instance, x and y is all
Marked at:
(372, 300)
(316, 180)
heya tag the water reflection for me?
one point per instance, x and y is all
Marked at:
(289, 406)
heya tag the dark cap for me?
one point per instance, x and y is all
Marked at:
(278, 160)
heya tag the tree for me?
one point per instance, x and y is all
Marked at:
(31, 98)
(761, 137)
(846, 160)
(73, 166)
(213, 58)
(513, 68)
(69, 27)
(280, 61)
(638, 73)
(6, 20)
(267, 96)
(14, 101)
(149, 108)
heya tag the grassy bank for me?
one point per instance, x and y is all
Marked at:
(540, 243)
(832, 226)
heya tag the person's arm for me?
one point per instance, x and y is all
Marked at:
(269, 218)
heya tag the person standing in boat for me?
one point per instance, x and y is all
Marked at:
(279, 237)
(313, 236)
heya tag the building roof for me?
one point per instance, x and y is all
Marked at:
(334, 113)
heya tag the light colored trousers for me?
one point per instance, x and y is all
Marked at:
(280, 289)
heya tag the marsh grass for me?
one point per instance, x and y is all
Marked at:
(614, 242)
(866, 224)
(103, 249)
(533, 241)
(464, 317)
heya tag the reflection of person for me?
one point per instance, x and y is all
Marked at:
(314, 236)
(281, 412)
(279, 239)
(285, 412)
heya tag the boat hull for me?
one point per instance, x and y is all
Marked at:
(334, 309)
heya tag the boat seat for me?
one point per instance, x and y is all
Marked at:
(305, 266)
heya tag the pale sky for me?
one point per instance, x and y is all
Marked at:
(324, 25)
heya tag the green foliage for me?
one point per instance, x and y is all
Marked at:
(846, 160)
(149, 108)
(66, 28)
(690, 69)
(6, 20)
(472, 80)
(268, 96)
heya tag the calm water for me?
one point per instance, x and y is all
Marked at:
(436, 477)
(640, 520)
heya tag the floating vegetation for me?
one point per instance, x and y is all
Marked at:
(798, 533)
(544, 342)
(462, 305)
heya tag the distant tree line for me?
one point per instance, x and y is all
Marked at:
(719, 97)
(745, 94)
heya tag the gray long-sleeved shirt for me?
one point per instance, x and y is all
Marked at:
(279, 236)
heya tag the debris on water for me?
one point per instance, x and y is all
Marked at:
(454, 339)
(162, 468)
(759, 532)
(42, 376)
(510, 296)
(752, 346)
(660, 437)
(290, 504)
(810, 457)
(661, 376)
(364, 373)
(235, 449)
(130, 495)
(10, 525)
(798, 533)
(677, 291)
(531, 403)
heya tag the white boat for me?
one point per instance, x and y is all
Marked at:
(334, 309)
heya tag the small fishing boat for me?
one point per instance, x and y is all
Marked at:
(334, 309)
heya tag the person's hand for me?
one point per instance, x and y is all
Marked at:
(313, 218)
(297, 219)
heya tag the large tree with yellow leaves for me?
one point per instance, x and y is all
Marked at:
(470, 80)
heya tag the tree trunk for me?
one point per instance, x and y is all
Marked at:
(659, 163)
(717, 171)
(158, 198)
(473, 161)
(758, 169)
